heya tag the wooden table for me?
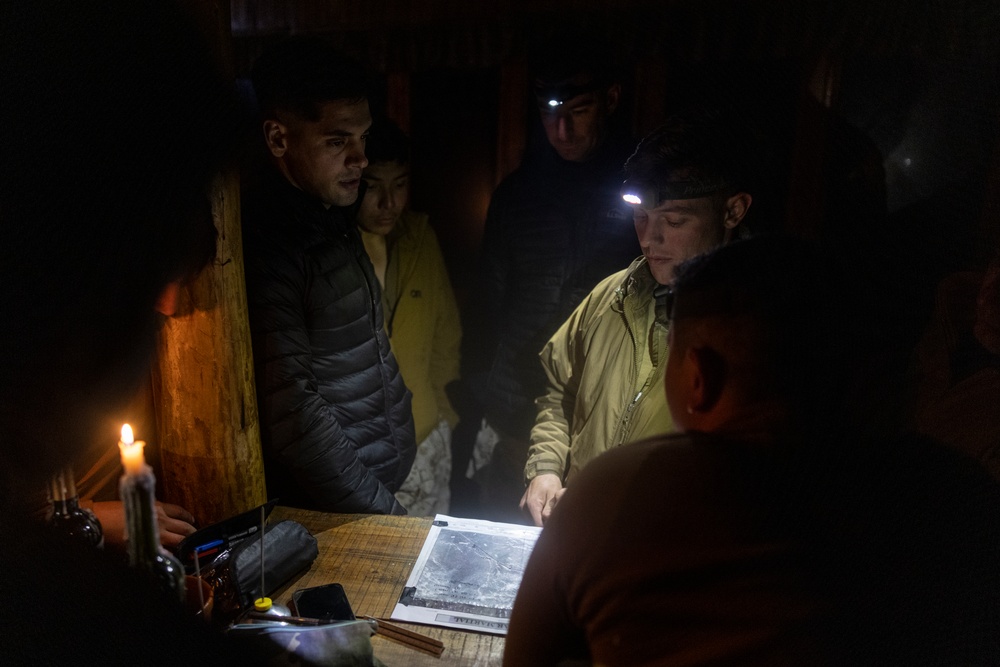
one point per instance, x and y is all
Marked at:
(371, 556)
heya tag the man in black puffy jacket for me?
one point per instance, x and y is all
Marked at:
(335, 415)
(555, 228)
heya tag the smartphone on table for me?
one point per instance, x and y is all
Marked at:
(327, 603)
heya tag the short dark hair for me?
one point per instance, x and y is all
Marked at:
(301, 73)
(696, 151)
(387, 143)
(121, 122)
(779, 306)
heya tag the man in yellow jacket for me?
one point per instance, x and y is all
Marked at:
(688, 189)
(421, 316)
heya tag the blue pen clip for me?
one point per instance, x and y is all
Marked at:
(208, 545)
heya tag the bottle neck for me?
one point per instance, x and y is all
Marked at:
(66, 514)
(138, 493)
(65, 507)
(62, 492)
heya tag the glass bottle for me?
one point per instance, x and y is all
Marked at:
(67, 516)
(138, 494)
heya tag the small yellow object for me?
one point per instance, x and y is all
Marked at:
(262, 604)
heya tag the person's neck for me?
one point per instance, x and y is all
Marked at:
(378, 253)
(282, 169)
(758, 421)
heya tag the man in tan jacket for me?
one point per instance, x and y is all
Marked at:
(688, 190)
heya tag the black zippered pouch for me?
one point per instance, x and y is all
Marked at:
(229, 558)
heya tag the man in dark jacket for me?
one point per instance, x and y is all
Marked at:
(335, 416)
(554, 229)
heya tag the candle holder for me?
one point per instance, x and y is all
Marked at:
(67, 516)
(138, 493)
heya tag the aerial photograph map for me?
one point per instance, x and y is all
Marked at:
(467, 574)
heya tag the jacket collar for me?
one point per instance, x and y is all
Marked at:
(402, 242)
(638, 279)
(637, 285)
(310, 208)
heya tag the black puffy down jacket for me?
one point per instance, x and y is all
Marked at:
(335, 415)
(553, 231)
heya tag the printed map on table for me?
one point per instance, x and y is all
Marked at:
(467, 574)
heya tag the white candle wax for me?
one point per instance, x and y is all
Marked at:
(132, 456)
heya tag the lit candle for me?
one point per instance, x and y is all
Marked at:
(137, 488)
(132, 458)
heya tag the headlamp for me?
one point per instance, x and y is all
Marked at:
(554, 95)
(639, 192)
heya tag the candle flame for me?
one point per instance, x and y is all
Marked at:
(127, 436)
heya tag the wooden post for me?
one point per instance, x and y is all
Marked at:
(203, 382)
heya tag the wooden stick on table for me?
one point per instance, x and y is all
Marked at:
(412, 639)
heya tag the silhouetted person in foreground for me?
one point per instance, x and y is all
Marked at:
(770, 531)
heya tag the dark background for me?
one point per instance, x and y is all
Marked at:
(878, 120)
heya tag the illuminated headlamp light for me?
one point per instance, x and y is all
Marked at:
(554, 95)
(640, 194)
(647, 195)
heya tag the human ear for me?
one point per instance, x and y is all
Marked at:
(276, 137)
(612, 97)
(736, 208)
(708, 378)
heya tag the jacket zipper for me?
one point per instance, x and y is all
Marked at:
(626, 418)
(625, 423)
(373, 307)
(381, 358)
